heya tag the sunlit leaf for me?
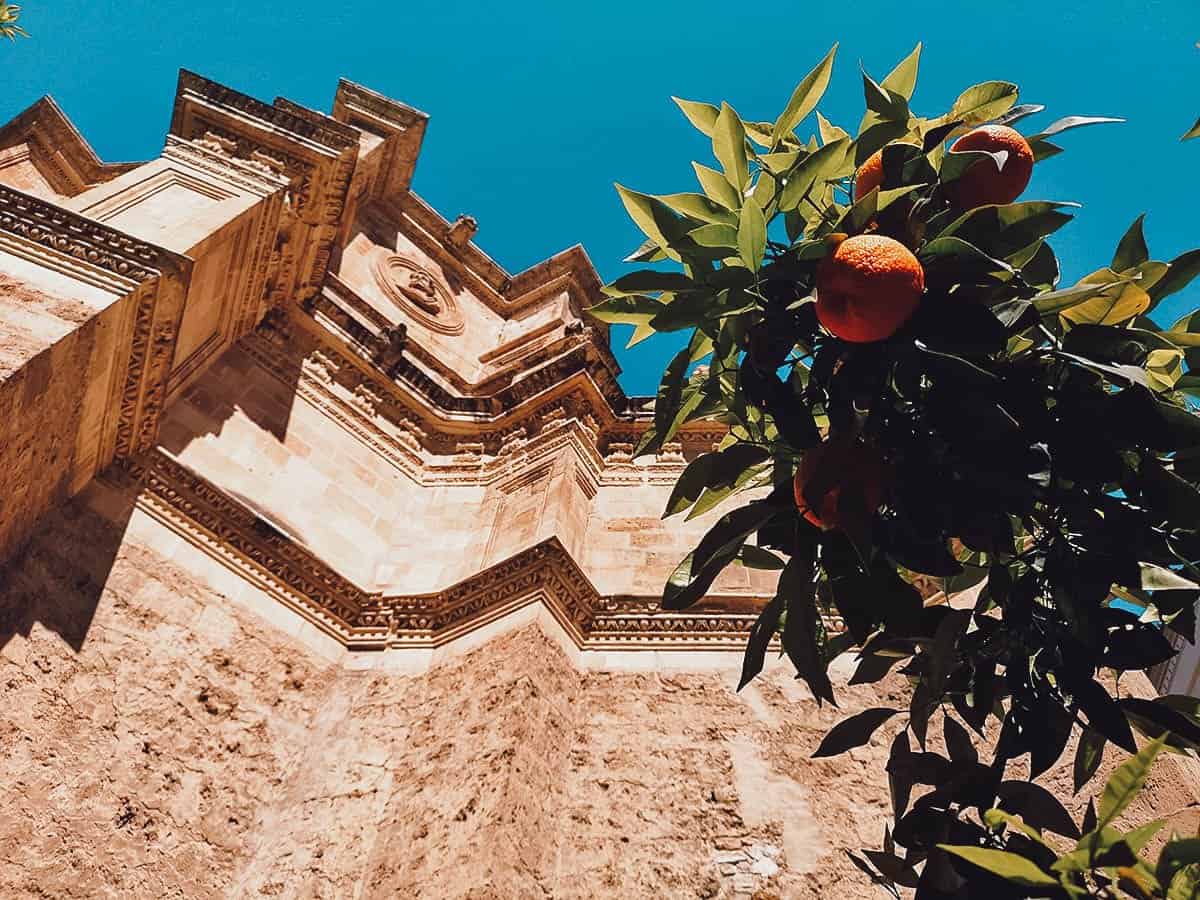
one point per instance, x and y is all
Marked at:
(1009, 866)
(729, 147)
(804, 98)
(702, 115)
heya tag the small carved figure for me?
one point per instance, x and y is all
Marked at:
(388, 348)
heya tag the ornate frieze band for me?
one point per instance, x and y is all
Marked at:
(84, 239)
(205, 515)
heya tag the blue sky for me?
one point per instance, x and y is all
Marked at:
(538, 107)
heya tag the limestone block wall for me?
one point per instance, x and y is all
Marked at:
(162, 734)
(246, 431)
(58, 352)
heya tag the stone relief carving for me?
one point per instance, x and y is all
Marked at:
(418, 292)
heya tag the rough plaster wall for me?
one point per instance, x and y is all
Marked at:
(158, 741)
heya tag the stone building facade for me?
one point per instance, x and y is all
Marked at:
(328, 571)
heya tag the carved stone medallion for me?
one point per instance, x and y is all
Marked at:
(418, 292)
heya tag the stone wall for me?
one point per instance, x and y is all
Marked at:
(160, 739)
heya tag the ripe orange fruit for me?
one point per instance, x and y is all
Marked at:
(983, 183)
(868, 288)
(869, 176)
(836, 464)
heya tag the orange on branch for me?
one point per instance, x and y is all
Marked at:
(869, 175)
(868, 288)
(983, 183)
(832, 468)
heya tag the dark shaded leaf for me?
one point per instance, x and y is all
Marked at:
(854, 731)
(801, 629)
(760, 638)
(1183, 269)
(1088, 756)
(693, 577)
(1037, 806)
(872, 668)
(1103, 713)
(1132, 250)
(958, 741)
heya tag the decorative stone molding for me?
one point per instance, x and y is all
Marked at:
(57, 149)
(84, 239)
(155, 277)
(418, 292)
(314, 153)
(250, 544)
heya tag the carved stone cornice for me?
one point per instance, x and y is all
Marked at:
(58, 150)
(263, 553)
(151, 278)
(399, 421)
(313, 152)
(86, 240)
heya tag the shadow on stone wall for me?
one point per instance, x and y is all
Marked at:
(57, 579)
(235, 381)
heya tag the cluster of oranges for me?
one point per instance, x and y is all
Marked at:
(868, 288)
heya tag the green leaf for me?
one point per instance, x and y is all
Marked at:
(1069, 122)
(752, 236)
(641, 331)
(702, 115)
(828, 131)
(1139, 837)
(669, 410)
(1003, 230)
(648, 281)
(1125, 783)
(695, 574)
(1116, 304)
(634, 310)
(1043, 149)
(1132, 250)
(903, 79)
(1183, 269)
(729, 147)
(654, 218)
(982, 102)
(1008, 866)
(818, 166)
(1057, 301)
(699, 206)
(956, 162)
(716, 236)
(1185, 885)
(995, 818)
(648, 251)
(753, 557)
(1193, 132)
(957, 248)
(1088, 756)
(1157, 578)
(716, 187)
(1176, 855)
(804, 98)
(853, 732)
(713, 470)
(888, 106)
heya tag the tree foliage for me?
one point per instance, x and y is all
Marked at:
(1042, 448)
(9, 13)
